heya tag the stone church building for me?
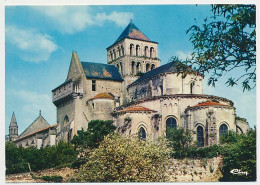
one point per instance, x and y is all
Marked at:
(141, 96)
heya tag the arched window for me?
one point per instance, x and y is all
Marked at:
(192, 87)
(122, 49)
(142, 133)
(160, 88)
(170, 123)
(223, 129)
(66, 121)
(111, 55)
(200, 136)
(137, 50)
(151, 52)
(119, 51)
(147, 67)
(131, 49)
(152, 66)
(121, 68)
(145, 51)
(133, 68)
(114, 51)
(138, 66)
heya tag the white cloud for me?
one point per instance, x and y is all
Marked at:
(120, 18)
(72, 19)
(32, 45)
(183, 55)
(33, 102)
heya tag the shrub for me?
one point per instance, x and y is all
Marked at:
(125, 159)
(179, 140)
(97, 130)
(240, 155)
(17, 159)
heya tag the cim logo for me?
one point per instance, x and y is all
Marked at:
(238, 172)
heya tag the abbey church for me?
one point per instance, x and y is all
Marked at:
(142, 97)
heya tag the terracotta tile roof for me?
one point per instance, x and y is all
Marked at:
(136, 108)
(209, 103)
(103, 96)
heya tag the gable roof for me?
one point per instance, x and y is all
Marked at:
(171, 67)
(38, 124)
(101, 71)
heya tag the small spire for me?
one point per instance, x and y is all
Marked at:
(130, 14)
(40, 113)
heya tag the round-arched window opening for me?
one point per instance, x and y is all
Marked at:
(170, 123)
(192, 87)
(223, 129)
(142, 133)
(200, 136)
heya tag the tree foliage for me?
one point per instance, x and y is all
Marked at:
(180, 141)
(125, 159)
(240, 153)
(97, 130)
(225, 42)
(17, 158)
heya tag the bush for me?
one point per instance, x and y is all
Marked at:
(180, 141)
(125, 159)
(97, 130)
(17, 159)
(240, 155)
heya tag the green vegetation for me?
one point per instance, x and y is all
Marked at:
(95, 133)
(239, 153)
(226, 41)
(107, 157)
(17, 159)
(53, 178)
(125, 159)
(179, 140)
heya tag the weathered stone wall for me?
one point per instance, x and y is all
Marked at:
(166, 84)
(242, 125)
(137, 120)
(194, 170)
(175, 107)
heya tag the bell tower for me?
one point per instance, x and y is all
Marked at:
(13, 129)
(133, 53)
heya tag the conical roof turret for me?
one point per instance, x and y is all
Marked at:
(13, 122)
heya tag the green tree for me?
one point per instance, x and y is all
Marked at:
(95, 133)
(225, 42)
(125, 159)
(240, 154)
(180, 140)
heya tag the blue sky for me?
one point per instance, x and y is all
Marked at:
(40, 41)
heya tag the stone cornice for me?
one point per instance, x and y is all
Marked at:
(174, 96)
